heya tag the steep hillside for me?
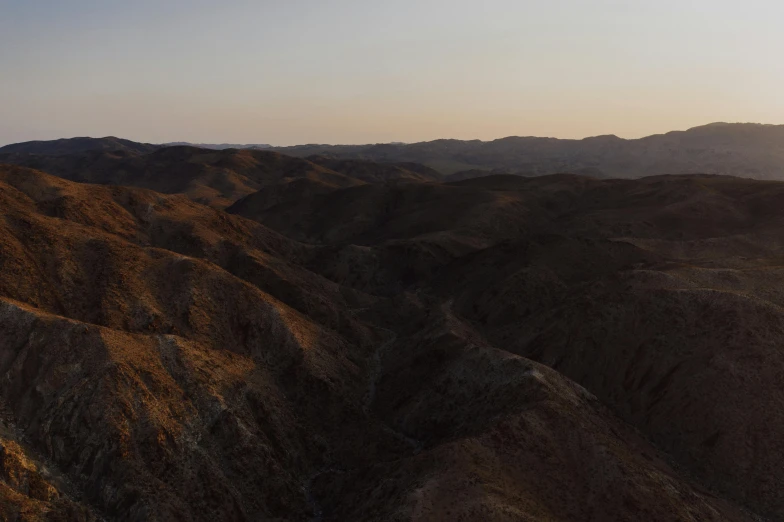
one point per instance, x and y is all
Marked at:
(165, 360)
(661, 296)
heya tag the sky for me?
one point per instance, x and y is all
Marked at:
(348, 71)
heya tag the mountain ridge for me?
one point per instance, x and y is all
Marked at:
(740, 149)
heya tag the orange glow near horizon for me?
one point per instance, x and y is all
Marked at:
(344, 71)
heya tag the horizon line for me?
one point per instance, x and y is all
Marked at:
(367, 144)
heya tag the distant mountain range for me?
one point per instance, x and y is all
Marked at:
(740, 149)
(78, 145)
(111, 144)
(219, 146)
(746, 150)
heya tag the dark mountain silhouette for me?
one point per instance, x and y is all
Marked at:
(219, 146)
(78, 145)
(745, 150)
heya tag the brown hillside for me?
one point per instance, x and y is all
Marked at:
(556, 349)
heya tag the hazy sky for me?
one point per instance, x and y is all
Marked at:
(351, 71)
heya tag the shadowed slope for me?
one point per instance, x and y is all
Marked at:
(175, 362)
(661, 296)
